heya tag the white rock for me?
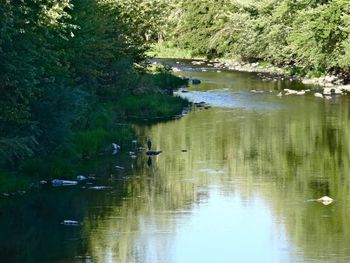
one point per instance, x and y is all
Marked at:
(99, 187)
(319, 95)
(59, 182)
(326, 200)
(81, 178)
(333, 90)
(70, 223)
(330, 78)
(344, 88)
(290, 92)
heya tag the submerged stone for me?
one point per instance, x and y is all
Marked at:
(59, 182)
(70, 223)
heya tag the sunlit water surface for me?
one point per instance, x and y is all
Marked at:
(232, 185)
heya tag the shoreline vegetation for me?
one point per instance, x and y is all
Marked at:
(308, 40)
(264, 69)
(71, 72)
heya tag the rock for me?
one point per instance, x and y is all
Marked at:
(290, 92)
(344, 88)
(196, 81)
(198, 62)
(59, 182)
(119, 167)
(70, 223)
(318, 95)
(302, 92)
(326, 200)
(115, 148)
(81, 178)
(43, 182)
(330, 79)
(332, 91)
(311, 81)
(133, 156)
(140, 149)
(99, 187)
(199, 104)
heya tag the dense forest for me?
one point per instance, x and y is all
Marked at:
(70, 71)
(307, 35)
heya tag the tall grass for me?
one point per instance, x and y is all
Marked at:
(167, 50)
(152, 106)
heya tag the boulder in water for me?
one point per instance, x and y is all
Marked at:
(70, 223)
(326, 200)
(81, 178)
(196, 81)
(59, 182)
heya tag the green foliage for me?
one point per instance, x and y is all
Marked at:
(152, 107)
(169, 50)
(9, 183)
(90, 142)
(313, 36)
(63, 63)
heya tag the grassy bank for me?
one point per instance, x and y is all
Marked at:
(169, 50)
(96, 129)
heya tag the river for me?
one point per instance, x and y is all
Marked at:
(234, 183)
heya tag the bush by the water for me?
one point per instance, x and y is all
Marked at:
(152, 106)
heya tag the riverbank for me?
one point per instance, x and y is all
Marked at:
(265, 70)
(103, 124)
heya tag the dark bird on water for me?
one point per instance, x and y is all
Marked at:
(149, 161)
(149, 144)
(153, 152)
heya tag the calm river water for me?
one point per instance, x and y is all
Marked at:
(233, 184)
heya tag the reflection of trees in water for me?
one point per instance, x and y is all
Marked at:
(296, 154)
